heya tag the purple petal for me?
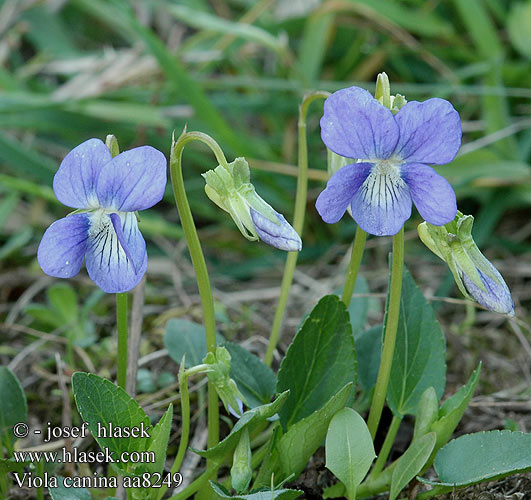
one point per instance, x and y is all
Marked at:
(496, 298)
(112, 268)
(133, 180)
(282, 236)
(237, 413)
(356, 125)
(382, 204)
(117, 226)
(63, 246)
(74, 183)
(340, 190)
(430, 132)
(432, 194)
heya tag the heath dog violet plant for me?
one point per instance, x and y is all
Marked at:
(106, 192)
(392, 151)
(280, 406)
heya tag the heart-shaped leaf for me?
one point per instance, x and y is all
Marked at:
(320, 359)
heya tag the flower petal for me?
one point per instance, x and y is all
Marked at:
(340, 190)
(432, 194)
(356, 125)
(108, 264)
(281, 236)
(496, 298)
(430, 132)
(382, 204)
(74, 183)
(133, 180)
(63, 246)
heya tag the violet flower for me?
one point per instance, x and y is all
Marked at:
(107, 191)
(392, 152)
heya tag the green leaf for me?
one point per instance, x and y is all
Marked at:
(419, 358)
(249, 419)
(22, 160)
(11, 465)
(349, 449)
(16, 241)
(14, 408)
(369, 352)
(452, 409)
(184, 337)
(411, 463)
(254, 379)
(99, 401)
(315, 39)
(64, 493)
(158, 443)
(263, 494)
(63, 299)
(518, 27)
(335, 491)
(303, 438)
(320, 359)
(483, 456)
(44, 314)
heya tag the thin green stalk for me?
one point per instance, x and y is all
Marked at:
(354, 265)
(121, 322)
(185, 425)
(39, 466)
(391, 327)
(4, 478)
(298, 223)
(386, 448)
(198, 259)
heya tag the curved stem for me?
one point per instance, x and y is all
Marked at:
(121, 323)
(354, 266)
(298, 223)
(386, 448)
(198, 260)
(391, 327)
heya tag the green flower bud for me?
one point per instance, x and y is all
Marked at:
(241, 472)
(475, 276)
(230, 188)
(218, 373)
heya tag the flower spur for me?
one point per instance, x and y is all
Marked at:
(107, 192)
(392, 152)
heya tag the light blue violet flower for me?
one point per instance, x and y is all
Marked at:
(107, 192)
(392, 152)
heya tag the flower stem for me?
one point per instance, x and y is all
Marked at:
(298, 223)
(391, 327)
(185, 424)
(198, 259)
(121, 322)
(354, 266)
(386, 448)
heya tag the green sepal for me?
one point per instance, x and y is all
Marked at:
(112, 143)
(218, 373)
